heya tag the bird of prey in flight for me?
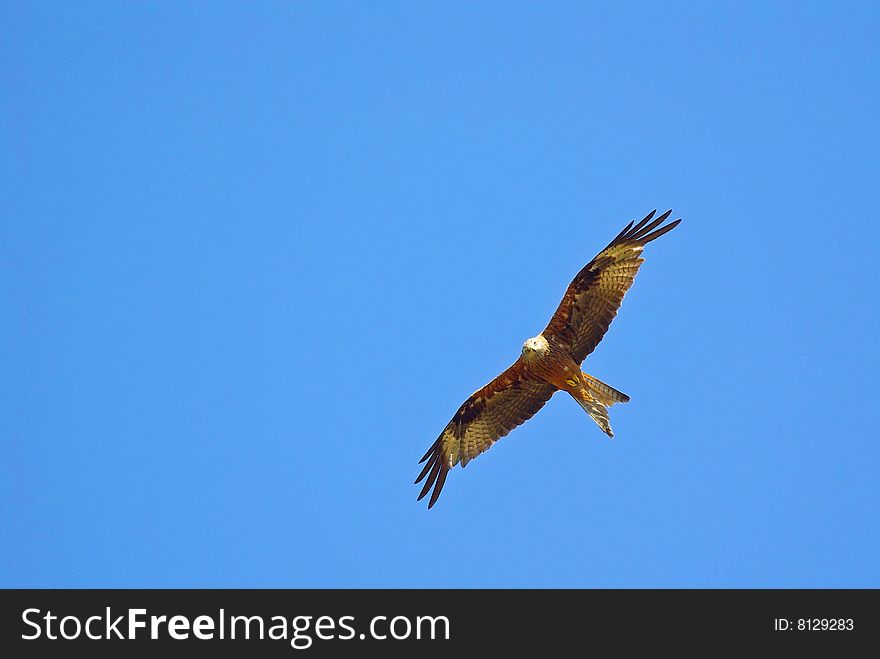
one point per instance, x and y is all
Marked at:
(549, 362)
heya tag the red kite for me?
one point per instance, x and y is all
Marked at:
(550, 362)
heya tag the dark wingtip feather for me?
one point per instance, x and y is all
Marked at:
(423, 473)
(431, 450)
(637, 230)
(436, 470)
(642, 229)
(641, 223)
(659, 232)
(636, 235)
(620, 235)
(436, 465)
(438, 487)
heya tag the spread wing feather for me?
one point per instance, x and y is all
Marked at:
(488, 415)
(592, 299)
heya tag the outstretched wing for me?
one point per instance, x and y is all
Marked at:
(488, 415)
(594, 296)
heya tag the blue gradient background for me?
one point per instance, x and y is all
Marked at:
(253, 257)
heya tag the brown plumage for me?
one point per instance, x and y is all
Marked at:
(550, 361)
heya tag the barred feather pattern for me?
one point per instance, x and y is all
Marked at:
(592, 299)
(485, 417)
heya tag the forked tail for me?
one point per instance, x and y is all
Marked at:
(598, 412)
(605, 392)
(596, 397)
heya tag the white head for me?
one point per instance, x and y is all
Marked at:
(536, 346)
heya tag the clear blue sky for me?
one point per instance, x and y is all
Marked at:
(252, 258)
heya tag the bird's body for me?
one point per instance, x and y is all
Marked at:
(549, 362)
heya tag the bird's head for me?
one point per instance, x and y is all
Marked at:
(536, 346)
